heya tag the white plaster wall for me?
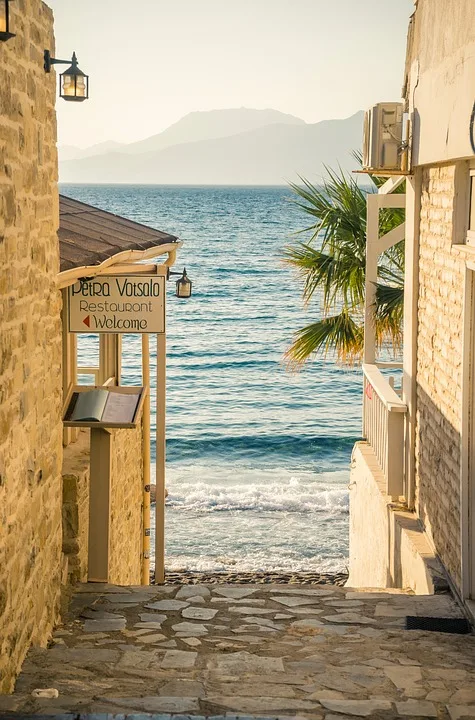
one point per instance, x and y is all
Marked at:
(369, 527)
(441, 69)
(388, 548)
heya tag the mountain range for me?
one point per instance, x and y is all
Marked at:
(221, 147)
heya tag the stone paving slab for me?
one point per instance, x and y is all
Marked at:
(133, 716)
(248, 651)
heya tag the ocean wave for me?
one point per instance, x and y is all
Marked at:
(292, 497)
(224, 364)
(266, 445)
(254, 563)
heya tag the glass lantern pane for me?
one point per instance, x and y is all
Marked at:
(183, 289)
(80, 86)
(69, 88)
(471, 222)
(3, 16)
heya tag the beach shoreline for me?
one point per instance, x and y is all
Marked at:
(193, 577)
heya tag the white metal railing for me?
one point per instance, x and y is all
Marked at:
(383, 427)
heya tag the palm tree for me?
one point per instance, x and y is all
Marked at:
(332, 266)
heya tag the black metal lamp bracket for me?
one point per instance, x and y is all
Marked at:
(49, 61)
(6, 35)
(172, 272)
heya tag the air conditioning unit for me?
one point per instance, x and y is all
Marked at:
(383, 137)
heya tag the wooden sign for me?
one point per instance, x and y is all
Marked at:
(118, 304)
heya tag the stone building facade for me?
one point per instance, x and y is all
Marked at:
(31, 561)
(440, 95)
(44, 470)
(439, 369)
(429, 530)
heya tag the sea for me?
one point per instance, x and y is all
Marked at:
(257, 455)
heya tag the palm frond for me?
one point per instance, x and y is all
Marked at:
(338, 206)
(333, 263)
(338, 276)
(388, 314)
(314, 267)
(339, 333)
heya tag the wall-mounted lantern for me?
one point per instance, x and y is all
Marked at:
(5, 33)
(183, 284)
(73, 83)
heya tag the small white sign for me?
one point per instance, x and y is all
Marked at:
(118, 304)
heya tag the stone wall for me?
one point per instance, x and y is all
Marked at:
(126, 507)
(31, 568)
(439, 369)
(76, 507)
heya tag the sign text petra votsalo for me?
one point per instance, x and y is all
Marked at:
(118, 304)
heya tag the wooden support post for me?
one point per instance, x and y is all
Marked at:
(411, 303)
(118, 369)
(99, 506)
(69, 365)
(372, 236)
(146, 461)
(109, 357)
(160, 462)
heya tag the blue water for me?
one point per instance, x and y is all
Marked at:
(257, 457)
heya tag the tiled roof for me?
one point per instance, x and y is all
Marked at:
(88, 235)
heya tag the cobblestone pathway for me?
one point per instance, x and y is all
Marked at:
(281, 650)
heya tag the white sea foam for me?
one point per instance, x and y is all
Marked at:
(203, 497)
(245, 489)
(255, 563)
(253, 519)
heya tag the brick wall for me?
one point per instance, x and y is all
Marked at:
(439, 369)
(31, 566)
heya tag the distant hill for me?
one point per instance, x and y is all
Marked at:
(194, 126)
(242, 147)
(70, 152)
(212, 125)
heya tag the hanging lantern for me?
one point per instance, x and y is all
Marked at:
(183, 286)
(73, 83)
(5, 33)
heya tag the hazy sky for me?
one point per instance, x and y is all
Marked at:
(152, 61)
